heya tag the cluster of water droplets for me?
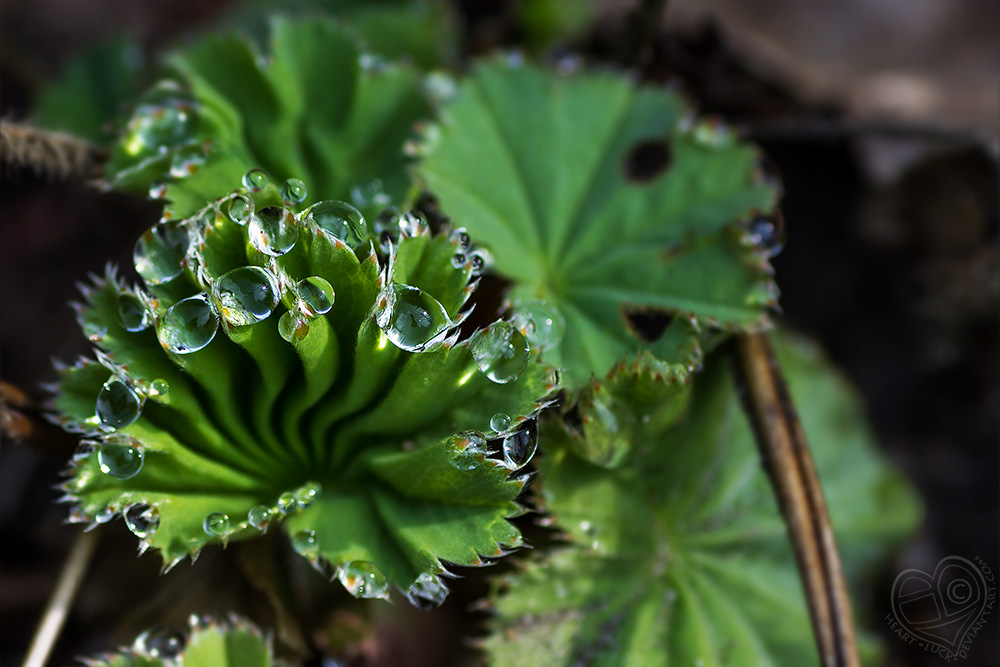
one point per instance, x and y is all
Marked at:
(509, 444)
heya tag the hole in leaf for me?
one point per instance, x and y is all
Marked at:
(646, 160)
(648, 323)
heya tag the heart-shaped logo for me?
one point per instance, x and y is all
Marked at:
(941, 609)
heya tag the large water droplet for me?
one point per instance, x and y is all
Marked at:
(305, 544)
(246, 295)
(158, 388)
(287, 502)
(293, 191)
(273, 231)
(306, 494)
(241, 208)
(118, 404)
(159, 252)
(260, 516)
(460, 237)
(188, 325)
(216, 524)
(410, 318)
(142, 520)
(160, 643)
(132, 313)
(293, 326)
(543, 325)
(255, 180)
(500, 351)
(427, 592)
(317, 295)
(156, 128)
(519, 447)
(363, 580)
(470, 450)
(500, 422)
(341, 220)
(120, 457)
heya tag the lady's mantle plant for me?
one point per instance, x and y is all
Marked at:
(275, 368)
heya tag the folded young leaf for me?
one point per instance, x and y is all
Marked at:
(276, 368)
(678, 554)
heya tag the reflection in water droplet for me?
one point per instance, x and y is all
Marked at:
(259, 516)
(188, 325)
(481, 261)
(273, 231)
(118, 404)
(305, 544)
(142, 520)
(317, 294)
(158, 388)
(500, 351)
(105, 514)
(246, 295)
(241, 208)
(543, 325)
(412, 223)
(120, 457)
(160, 643)
(766, 235)
(470, 450)
(293, 191)
(186, 162)
(306, 494)
(287, 502)
(363, 580)
(132, 313)
(341, 220)
(216, 524)
(427, 592)
(292, 326)
(255, 180)
(519, 447)
(159, 252)
(500, 422)
(460, 237)
(458, 260)
(156, 128)
(411, 318)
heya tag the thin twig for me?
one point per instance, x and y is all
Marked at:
(786, 456)
(50, 153)
(62, 598)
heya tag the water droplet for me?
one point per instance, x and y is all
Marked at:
(260, 516)
(120, 457)
(427, 592)
(158, 388)
(413, 223)
(500, 351)
(519, 447)
(158, 191)
(470, 450)
(305, 544)
(132, 313)
(410, 318)
(156, 128)
(766, 235)
(273, 231)
(83, 451)
(160, 643)
(241, 207)
(105, 514)
(460, 237)
(481, 260)
(306, 494)
(142, 520)
(292, 326)
(188, 325)
(216, 524)
(159, 252)
(293, 191)
(543, 325)
(317, 294)
(246, 295)
(500, 422)
(186, 162)
(287, 503)
(118, 404)
(363, 580)
(255, 180)
(341, 220)
(458, 260)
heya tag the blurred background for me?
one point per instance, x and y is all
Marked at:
(880, 116)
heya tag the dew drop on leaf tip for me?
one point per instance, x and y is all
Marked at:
(519, 447)
(307, 494)
(241, 207)
(427, 592)
(120, 457)
(216, 524)
(293, 191)
(255, 180)
(160, 251)
(340, 220)
(305, 544)
(316, 294)
(160, 643)
(131, 313)
(500, 351)
(260, 516)
(410, 317)
(118, 404)
(287, 503)
(500, 422)
(142, 519)
(363, 580)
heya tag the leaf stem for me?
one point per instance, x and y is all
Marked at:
(62, 598)
(785, 453)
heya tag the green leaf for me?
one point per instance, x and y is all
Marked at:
(602, 197)
(358, 423)
(678, 553)
(235, 643)
(312, 110)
